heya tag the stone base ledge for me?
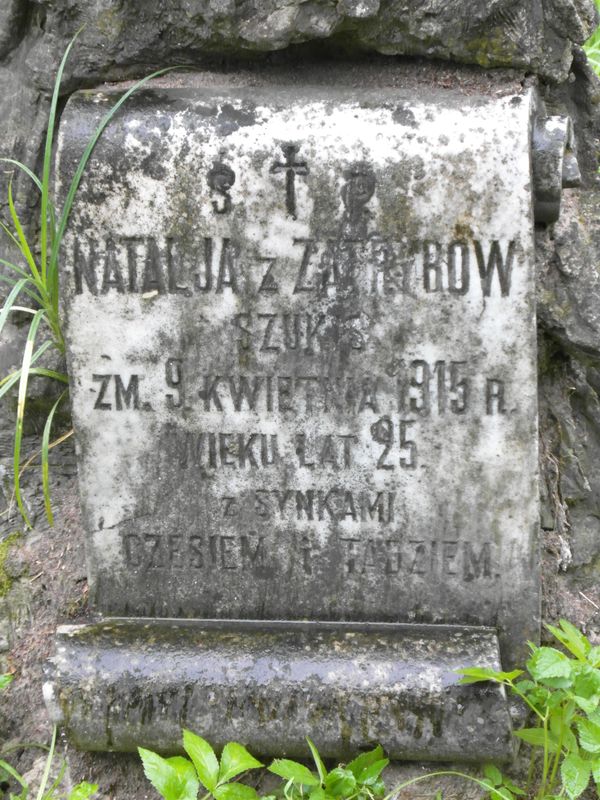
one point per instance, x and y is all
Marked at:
(121, 683)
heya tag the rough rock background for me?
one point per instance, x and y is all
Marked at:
(42, 573)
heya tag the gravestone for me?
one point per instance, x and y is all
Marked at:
(301, 337)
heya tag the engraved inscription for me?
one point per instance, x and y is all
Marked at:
(313, 380)
(368, 265)
(291, 169)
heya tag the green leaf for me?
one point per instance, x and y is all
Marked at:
(547, 663)
(589, 705)
(340, 782)
(5, 680)
(595, 716)
(596, 771)
(319, 793)
(476, 674)
(589, 735)
(587, 681)
(377, 788)
(10, 300)
(292, 771)
(493, 773)
(364, 760)
(535, 737)
(502, 794)
(371, 773)
(318, 760)
(235, 759)
(574, 640)
(513, 788)
(75, 181)
(575, 773)
(203, 758)
(83, 791)
(594, 656)
(14, 774)
(21, 400)
(45, 457)
(23, 243)
(235, 791)
(173, 778)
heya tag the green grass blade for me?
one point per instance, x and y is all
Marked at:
(29, 292)
(46, 775)
(24, 168)
(13, 773)
(49, 373)
(45, 454)
(23, 243)
(48, 158)
(11, 236)
(30, 174)
(19, 270)
(74, 185)
(21, 401)
(10, 300)
(10, 380)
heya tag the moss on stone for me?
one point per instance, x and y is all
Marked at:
(6, 580)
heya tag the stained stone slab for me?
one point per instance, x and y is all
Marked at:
(300, 328)
(271, 685)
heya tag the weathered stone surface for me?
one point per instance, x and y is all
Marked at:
(537, 35)
(271, 685)
(323, 371)
(12, 16)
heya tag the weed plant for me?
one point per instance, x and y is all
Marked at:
(48, 789)
(561, 690)
(592, 47)
(34, 281)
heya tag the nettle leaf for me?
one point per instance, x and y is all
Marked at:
(589, 705)
(595, 716)
(596, 771)
(571, 638)
(525, 686)
(173, 778)
(589, 735)
(594, 656)
(318, 793)
(235, 759)
(340, 782)
(513, 788)
(365, 760)
(203, 758)
(318, 760)
(376, 788)
(371, 774)
(235, 791)
(83, 791)
(587, 681)
(547, 664)
(535, 737)
(292, 771)
(493, 774)
(575, 773)
(476, 674)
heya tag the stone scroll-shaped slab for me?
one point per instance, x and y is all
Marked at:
(301, 336)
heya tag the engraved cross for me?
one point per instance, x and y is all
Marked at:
(292, 168)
